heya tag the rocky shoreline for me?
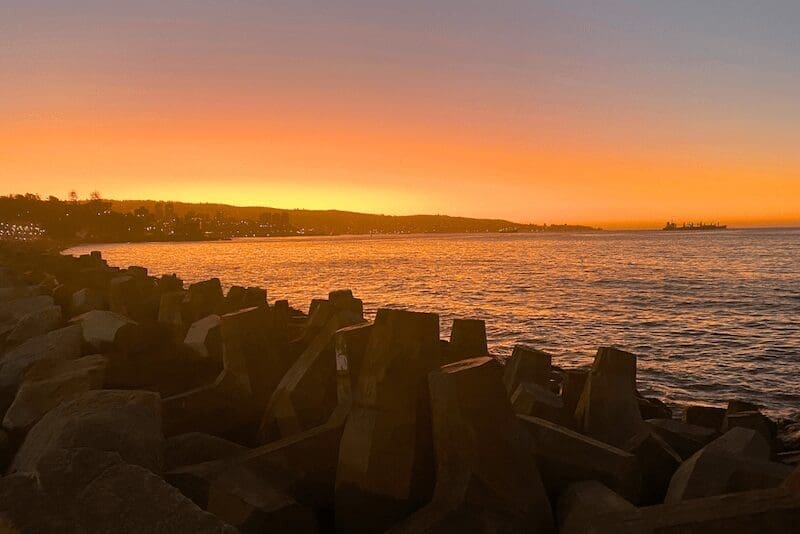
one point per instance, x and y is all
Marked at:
(134, 404)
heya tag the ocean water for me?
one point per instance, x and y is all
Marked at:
(712, 316)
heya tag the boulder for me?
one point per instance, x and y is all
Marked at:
(537, 401)
(351, 345)
(266, 361)
(706, 416)
(588, 503)
(84, 490)
(126, 422)
(736, 461)
(226, 406)
(137, 271)
(170, 310)
(197, 448)
(204, 338)
(169, 283)
(61, 344)
(35, 324)
(106, 330)
(685, 438)
(204, 298)
(792, 482)
(485, 477)
(770, 511)
(49, 382)
(14, 309)
(526, 365)
(657, 463)
(386, 453)
(85, 300)
(303, 465)
(608, 409)
(134, 297)
(18, 292)
(244, 498)
(6, 450)
(244, 297)
(752, 419)
(572, 388)
(652, 408)
(737, 405)
(307, 394)
(350, 308)
(565, 457)
(467, 340)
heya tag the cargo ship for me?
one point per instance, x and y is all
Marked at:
(672, 227)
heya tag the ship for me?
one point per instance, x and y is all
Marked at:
(672, 227)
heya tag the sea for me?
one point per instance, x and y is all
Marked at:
(712, 316)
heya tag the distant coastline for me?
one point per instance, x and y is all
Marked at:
(96, 220)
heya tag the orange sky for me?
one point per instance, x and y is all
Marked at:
(380, 115)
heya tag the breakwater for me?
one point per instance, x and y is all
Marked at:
(134, 403)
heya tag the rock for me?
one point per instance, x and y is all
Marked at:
(226, 406)
(241, 497)
(48, 383)
(127, 422)
(467, 340)
(170, 310)
(240, 297)
(204, 338)
(736, 461)
(685, 438)
(792, 482)
(536, 401)
(608, 409)
(106, 330)
(386, 453)
(565, 457)
(137, 271)
(18, 292)
(754, 420)
(736, 406)
(61, 344)
(526, 365)
(197, 448)
(85, 300)
(586, 504)
(6, 451)
(350, 308)
(83, 490)
(204, 299)
(351, 345)
(15, 309)
(572, 388)
(307, 394)
(652, 408)
(484, 474)
(303, 465)
(765, 511)
(265, 359)
(169, 283)
(134, 297)
(35, 324)
(657, 463)
(707, 416)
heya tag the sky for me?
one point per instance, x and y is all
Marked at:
(613, 113)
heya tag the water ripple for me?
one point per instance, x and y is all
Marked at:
(713, 316)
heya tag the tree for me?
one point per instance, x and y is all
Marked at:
(73, 196)
(95, 195)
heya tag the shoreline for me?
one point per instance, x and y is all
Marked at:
(265, 382)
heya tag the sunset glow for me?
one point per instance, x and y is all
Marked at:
(532, 111)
